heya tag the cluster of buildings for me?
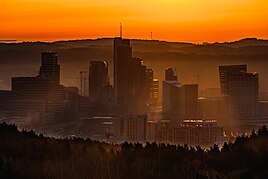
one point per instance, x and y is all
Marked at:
(117, 111)
(134, 90)
(135, 86)
(122, 111)
(237, 102)
(39, 100)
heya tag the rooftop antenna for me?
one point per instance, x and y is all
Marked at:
(121, 29)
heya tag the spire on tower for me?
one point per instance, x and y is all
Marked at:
(121, 29)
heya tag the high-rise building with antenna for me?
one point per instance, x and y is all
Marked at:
(122, 56)
(129, 79)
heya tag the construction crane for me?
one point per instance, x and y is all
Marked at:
(83, 82)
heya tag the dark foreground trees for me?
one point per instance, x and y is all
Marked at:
(27, 155)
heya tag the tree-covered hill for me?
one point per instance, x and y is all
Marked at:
(24, 154)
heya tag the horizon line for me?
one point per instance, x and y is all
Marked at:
(14, 41)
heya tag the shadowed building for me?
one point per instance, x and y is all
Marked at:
(50, 69)
(152, 85)
(154, 92)
(131, 128)
(122, 57)
(131, 86)
(190, 131)
(226, 72)
(241, 89)
(32, 87)
(149, 84)
(179, 101)
(98, 77)
(55, 101)
(170, 74)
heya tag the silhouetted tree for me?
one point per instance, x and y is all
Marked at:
(27, 155)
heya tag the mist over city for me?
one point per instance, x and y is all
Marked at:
(126, 89)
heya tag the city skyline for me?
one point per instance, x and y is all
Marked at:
(188, 21)
(179, 55)
(131, 110)
(133, 89)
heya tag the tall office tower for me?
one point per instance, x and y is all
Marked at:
(241, 89)
(122, 58)
(138, 89)
(179, 101)
(152, 86)
(170, 74)
(129, 79)
(98, 77)
(188, 101)
(155, 91)
(45, 90)
(50, 69)
(226, 72)
(149, 84)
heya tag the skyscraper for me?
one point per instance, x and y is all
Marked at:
(44, 91)
(122, 57)
(241, 89)
(226, 72)
(155, 91)
(98, 77)
(152, 87)
(170, 74)
(129, 79)
(179, 100)
(50, 69)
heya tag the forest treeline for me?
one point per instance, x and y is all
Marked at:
(24, 154)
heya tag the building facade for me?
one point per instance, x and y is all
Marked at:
(131, 80)
(241, 90)
(98, 77)
(179, 100)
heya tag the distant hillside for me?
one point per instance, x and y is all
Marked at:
(247, 42)
(191, 60)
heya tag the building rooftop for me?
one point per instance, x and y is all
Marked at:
(199, 121)
(174, 83)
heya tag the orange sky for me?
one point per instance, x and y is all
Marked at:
(172, 20)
